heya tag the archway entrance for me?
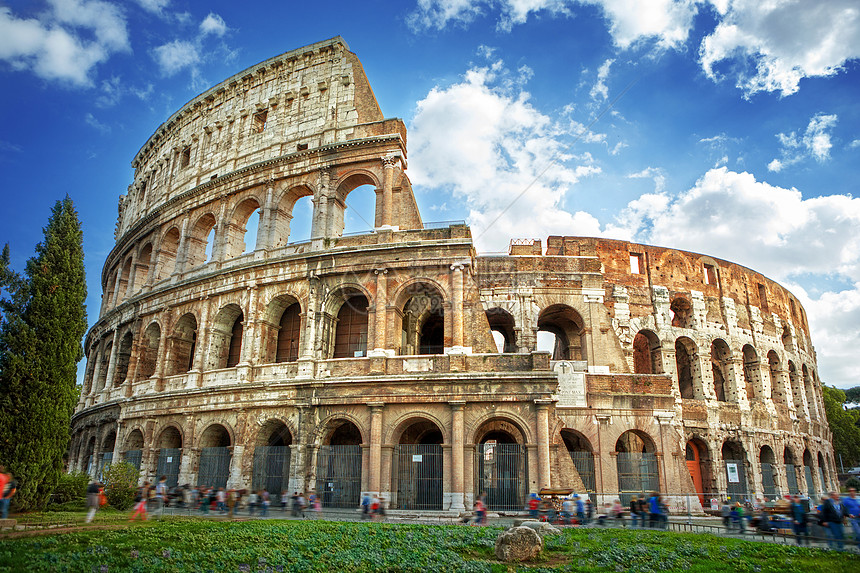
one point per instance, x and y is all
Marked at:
(339, 466)
(272, 458)
(501, 465)
(134, 448)
(418, 467)
(636, 464)
(734, 458)
(790, 472)
(169, 455)
(768, 482)
(582, 457)
(215, 456)
(693, 455)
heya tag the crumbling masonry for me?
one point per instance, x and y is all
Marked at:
(398, 360)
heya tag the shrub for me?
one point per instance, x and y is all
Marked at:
(71, 488)
(120, 484)
(852, 482)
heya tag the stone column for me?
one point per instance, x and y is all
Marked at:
(542, 407)
(202, 341)
(111, 371)
(388, 164)
(457, 306)
(375, 455)
(458, 477)
(380, 342)
(181, 254)
(250, 336)
(268, 221)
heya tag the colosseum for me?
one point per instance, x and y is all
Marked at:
(399, 360)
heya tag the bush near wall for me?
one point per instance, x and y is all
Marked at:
(120, 481)
(70, 488)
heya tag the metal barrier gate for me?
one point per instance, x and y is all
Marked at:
(214, 467)
(638, 474)
(134, 457)
(810, 485)
(736, 480)
(584, 464)
(768, 483)
(501, 470)
(339, 476)
(419, 476)
(107, 458)
(271, 468)
(791, 476)
(168, 465)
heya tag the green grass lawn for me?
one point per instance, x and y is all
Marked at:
(225, 547)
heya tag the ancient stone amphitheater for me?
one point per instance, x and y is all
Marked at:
(399, 360)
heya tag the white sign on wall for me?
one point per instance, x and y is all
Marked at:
(169, 459)
(571, 386)
(732, 471)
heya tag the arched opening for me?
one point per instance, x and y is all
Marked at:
(169, 445)
(790, 471)
(339, 465)
(107, 350)
(418, 467)
(821, 481)
(181, 345)
(272, 458)
(293, 220)
(134, 448)
(807, 473)
(200, 243)
(123, 357)
(241, 232)
(167, 254)
(646, 353)
(280, 330)
(501, 465)
(109, 290)
(88, 455)
(565, 324)
(721, 355)
(809, 387)
(289, 329)
(636, 464)
(301, 225)
(124, 277)
(698, 460)
(360, 212)
(503, 329)
(752, 372)
(687, 368)
(582, 456)
(215, 456)
(225, 348)
(796, 388)
(92, 360)
(350, 338)
(142, 268)
(108, 444)
(422, 320)
(735, 460)
(767, 459)
(148, 358)
(681, 313)
(786, 337)
(777, 394)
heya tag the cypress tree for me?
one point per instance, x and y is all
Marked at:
(42, 323)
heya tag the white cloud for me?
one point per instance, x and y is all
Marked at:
(213, 24)
(654, 173)
(484, 142)
(814, 143)
(175, 56)
(854, 144)
(154, 6)
(668, 22)
(600, 91)
(102, 128)
(66, 42)
(771, 46)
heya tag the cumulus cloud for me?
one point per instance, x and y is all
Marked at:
(482, 140)
(154, 6)
(814, 143)
(771, 46)
(654, 173)
(178, 55)
(64, 43)
(600, 91)
(213, 24)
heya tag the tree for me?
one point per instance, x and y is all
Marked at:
(843, 425)
(120, 484)
(42, 322)
(852, 395)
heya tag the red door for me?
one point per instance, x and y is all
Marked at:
(695, 468)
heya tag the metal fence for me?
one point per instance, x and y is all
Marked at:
(214, 467)
(419, 476)
(271, 468)
(810, 486)
(584, 464)
(107, 457)
(791, 475)
(638, 474)
(134, 457)
(768, 482)
(736, 485)
(501, 471)
(339, 476)
(168, 465)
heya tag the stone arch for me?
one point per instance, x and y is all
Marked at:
(697, 455)
(346, 185)
(809, 387)
(272, 456)
(148, 358)
(417, 464)
(235, 229)
(681, 312)
(501, 426)
(581, 454)
(503, 329)
(182, 345)
(123, 290)
(777, 391)
(143, 267)
(274, 432)
(283, 216)
(123, 357)
(107, 350)
(400, 426)
(216, 435)
(752, 373)
(568, 327)
(737, 468)
(767, 463)
(339, 461)
(636, 464)
(167, 253)
(197, 242)
(215, 444)
(808, 473)
(92, 360)
(688, 369)
(821, 472)
(327, 429)
(421, 305)
(721, 356)
(225, 346)
(134, 440)
(88, 459)
(647, 353)
(345, 326)
(796, 386)
(170, 436)
(281, 328)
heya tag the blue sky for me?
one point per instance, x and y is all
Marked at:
(729, 127)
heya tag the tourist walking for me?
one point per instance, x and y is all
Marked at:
(285, 497)
(726, 512)
(365, 506)
(635, 510)
(580, 509)
(566, 511)
(93, 491)
(534, 506)
(852, 510)
(264, 501)
(8, 487)
(161, 494)
(799, 521)
(141, 496)
(231, 502)
(832, 515)
(253, 500)
(655, 519)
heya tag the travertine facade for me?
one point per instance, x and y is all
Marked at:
(399, 361)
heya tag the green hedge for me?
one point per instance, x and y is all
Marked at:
(71, 488)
